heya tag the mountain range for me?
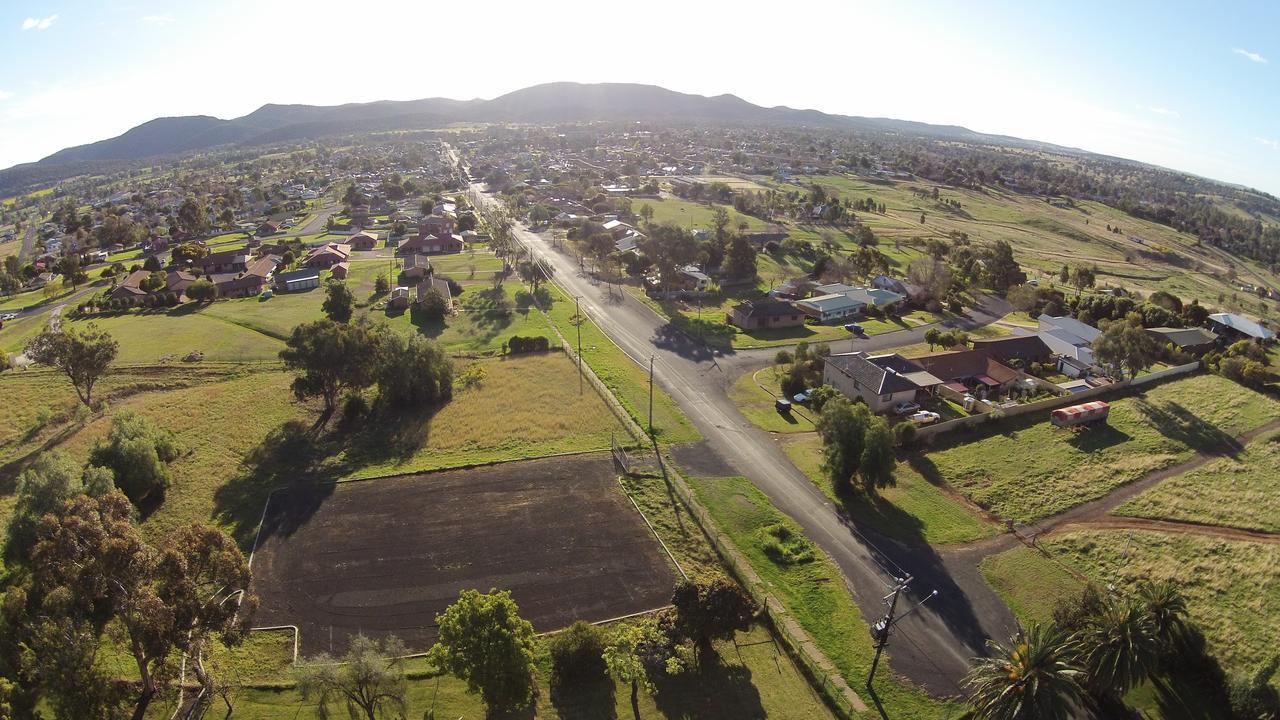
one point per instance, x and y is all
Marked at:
(548, 103)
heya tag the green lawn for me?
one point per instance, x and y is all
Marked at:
(814, 594)
(485, 318)
(624, 378)
(1232, 587)
(756, 404)
(1241, 491)
(1024, 468)
(912, 509)
(21, 300)
(688, 214)
(145, 336)
(1031, 583)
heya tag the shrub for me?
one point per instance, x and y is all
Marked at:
(138, 453)
(518, 344)
(354, 407)
(782, 358)
(784, 546)
(577, 654)
(904, 435)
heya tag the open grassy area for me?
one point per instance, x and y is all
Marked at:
(624, 378)
(146, 336)
(814, 594)
(1232, 587)
(693, 215)
(1030, 582)
(484, 319)
(1024, 468)
(1241, 491)
(912, 509)
(756, 403)
(31, 298)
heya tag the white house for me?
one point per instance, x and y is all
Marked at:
(831, 307)
(1071, 340)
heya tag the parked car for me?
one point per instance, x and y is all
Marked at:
(783, 406)
(801, 397)
(925, 417)
(855, 328)
(905, 408)
(8, 316)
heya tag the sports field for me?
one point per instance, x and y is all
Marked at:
(385, 556)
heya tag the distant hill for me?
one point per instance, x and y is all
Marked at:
(552, 102)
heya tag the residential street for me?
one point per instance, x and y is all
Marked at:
(932, 646)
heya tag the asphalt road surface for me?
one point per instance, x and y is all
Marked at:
(934, 645)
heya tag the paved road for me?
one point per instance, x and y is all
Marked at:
(932, 646)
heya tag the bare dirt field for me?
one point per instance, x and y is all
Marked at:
(384, 556)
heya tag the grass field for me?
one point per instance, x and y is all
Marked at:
(1242, 491)
(1057, 469)
(756, 403)
(145, 336)
(1232, 587)
(691, 214)
(814, 594)
(1031, 583)
(912, 509)
(31, 298)
(624, 378)
(484, 319)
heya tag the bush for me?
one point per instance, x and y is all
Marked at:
(904, 435)
(784, 546)
(518, 344)
(782, 358)
(431, 306)
(138, 454)
(577, 654)
(354, 408)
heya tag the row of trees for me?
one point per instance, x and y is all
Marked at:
(484, 642)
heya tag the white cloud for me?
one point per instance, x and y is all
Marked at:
(1273, 144)
(40, 23)
(5, 95)
(1253, 56)
(1161, 110)
(158, 19)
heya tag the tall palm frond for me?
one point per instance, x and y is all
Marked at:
(1035, 677)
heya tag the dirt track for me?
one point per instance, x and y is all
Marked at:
(384, 556)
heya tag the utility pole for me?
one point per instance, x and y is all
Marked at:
(880, 629)
(577, 322)
(650, 396)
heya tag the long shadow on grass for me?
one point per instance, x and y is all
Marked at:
(584, 700)
(717, 690)
(1181, 425)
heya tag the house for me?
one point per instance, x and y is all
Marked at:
(1195, 340)
(1071, 341)
(431, 244)
(1239, 327)
(269, 227)
(437, 225)
(298, 280)
(831, 307)
(130, 289)
(416, 267)
(339, 271)
(177, 282)
(690, 277)
(1027, 348)
(764, 314)
(399, 299)
(440, 285)
(968, 370)
(882, 381)
(876, 297)
(884, 282)
(227, 261)
(327, 255)
(364, 240)
(793, 289)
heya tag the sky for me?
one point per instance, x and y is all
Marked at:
(1190, 86)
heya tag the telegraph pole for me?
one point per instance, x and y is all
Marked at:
(650, 396)
(880, 629)
(577, 322)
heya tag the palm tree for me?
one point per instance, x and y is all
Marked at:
(1119, 648)
(1167, 609)
(1033, 678)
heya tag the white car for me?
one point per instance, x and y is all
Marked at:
(905, 408)
(8, 316)
(925, 417)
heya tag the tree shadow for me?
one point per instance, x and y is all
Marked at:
(1181, 425)
(717, 690)
(584, 700)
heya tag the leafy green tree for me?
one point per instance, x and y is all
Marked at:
(706, 612)
(740, 260)
(380, 284)
(624, 655)
(368, 680)
(51, 479)
(339, 302)
(202, 291)
(432, 306)
(1034, 677)
(577, 654)
(1002, 270)
(138, 454)
(842, 427)
(322, 354)
(646, 212)
(193, 217)
(877, 463)
(484, 641)
(412, 371)
(1023, 297)
(720, 223)
(1125, 346)
(1082, 277)
(82, 355)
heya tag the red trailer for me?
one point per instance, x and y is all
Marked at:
(1089, 413)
